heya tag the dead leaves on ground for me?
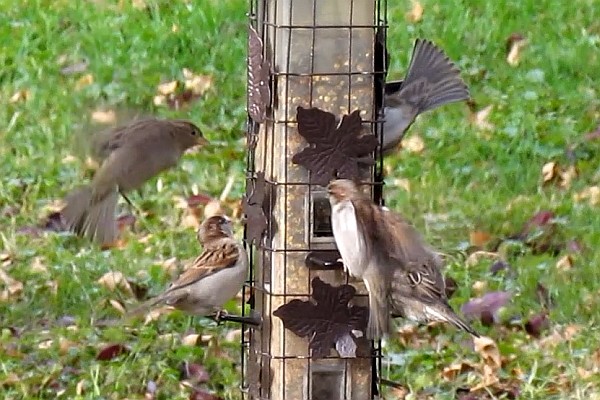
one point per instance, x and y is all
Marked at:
(177, 94)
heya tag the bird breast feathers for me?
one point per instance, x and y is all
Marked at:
(348, 237)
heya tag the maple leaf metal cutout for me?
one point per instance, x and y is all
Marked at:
(328, 321)
(259, 93)
(334, 151)
(252, 207)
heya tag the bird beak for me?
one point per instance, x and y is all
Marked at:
(202, 141)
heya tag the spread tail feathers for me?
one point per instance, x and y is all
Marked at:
(94, 220)
(443, 82)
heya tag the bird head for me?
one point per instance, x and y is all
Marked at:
(187, 135)
(341, 190)
(215, 227)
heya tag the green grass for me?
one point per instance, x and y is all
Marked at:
(465, 180)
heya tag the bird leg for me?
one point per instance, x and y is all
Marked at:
(254, 319)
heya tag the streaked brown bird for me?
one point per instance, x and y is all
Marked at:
(130, 155)
(418, 289)
(400, 271)
(354, 222)
(431, 81)
(212, 279)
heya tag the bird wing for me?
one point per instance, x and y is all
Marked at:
(214, 259)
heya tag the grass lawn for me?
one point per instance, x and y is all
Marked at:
(475, 181)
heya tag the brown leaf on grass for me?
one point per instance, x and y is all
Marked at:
(416, 12)
(117, 306)
(111, 351)
(105, 117)
(537, 324)
(552, 172)
(590, 193)
(477, 256)
(514, 45)
(488, 350)
(479, 238)
(451, 372)
(197, 84)
(167, 88)
(20, 95)
(115, 280)
(193, 373)
(125, 221)
(84, 81)
(565, 263)
(38, 265)
(413, 144)
(479, 118)
(12, 287)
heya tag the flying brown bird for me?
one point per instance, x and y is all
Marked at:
(130, 155)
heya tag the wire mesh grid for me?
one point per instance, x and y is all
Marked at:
(321, 55)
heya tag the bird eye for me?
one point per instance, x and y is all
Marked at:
(193, 132)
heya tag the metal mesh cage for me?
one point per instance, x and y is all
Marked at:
(322, 54)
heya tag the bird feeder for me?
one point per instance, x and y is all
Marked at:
(315, 74)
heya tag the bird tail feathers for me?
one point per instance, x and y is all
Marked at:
(379, 313)
(94, 220)
(429, 63)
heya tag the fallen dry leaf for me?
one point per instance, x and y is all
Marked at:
(38, 265)
(64, 345)
(198, 84)
(480, 118)
(514, 44)
(116, 280)
(451, 372)
(416, 12)
(479, 238)
(213, 208)
(486, 306)
(167, 88)
(414, 144)
(565, 263)
(552, 172)
(549, 171)
(117, 306)
(111, 351)
(488, 350)
(590, 193)
(84, 81)
(194, 373)
(191, 339)
(537, 324)
(13, 288)
(104, 116)
(20, 95)
(155, 313)
(477, 256)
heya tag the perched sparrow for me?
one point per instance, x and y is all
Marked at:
(418, 290)
(401, 273)
(131, 155)
(213, 278)
(432, 80)
(354, 221)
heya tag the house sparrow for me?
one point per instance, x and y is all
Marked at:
(432, 80)
(131, 155)
(213, 278)
(418, 289)
(354, 220)
(401, 273)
